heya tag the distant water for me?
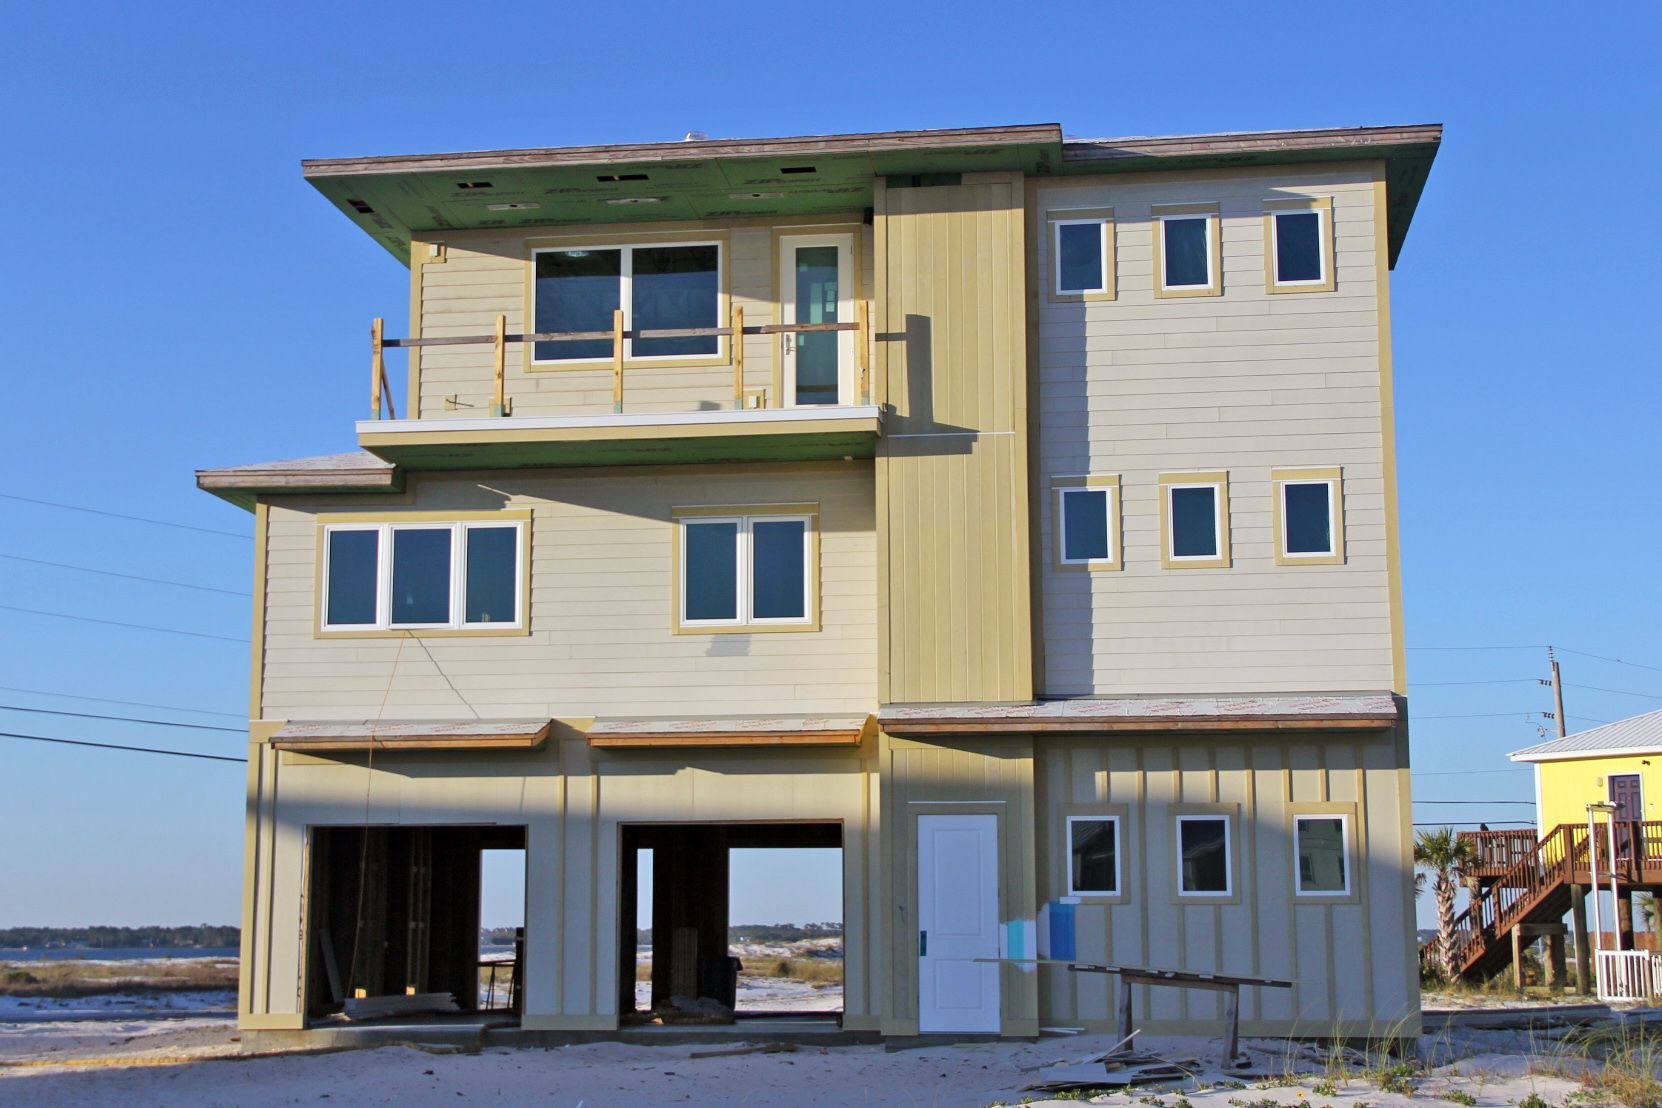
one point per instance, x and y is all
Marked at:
(114, 953)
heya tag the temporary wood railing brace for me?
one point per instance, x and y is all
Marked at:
(618, 335)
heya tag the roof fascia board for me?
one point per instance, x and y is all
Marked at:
(646, 153)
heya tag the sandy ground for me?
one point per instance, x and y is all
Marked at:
(1491, 1066)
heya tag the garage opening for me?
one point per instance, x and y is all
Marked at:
(707, 938)
(394, 922)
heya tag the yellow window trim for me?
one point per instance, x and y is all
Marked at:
(1355, 873)
(707, 511)
(1054, 217)
(1065, 815)
(1116, 548)
(616, 240)
(1323, 205)
(1217, 478)
(504, 515)
(1231, 815)
(1334, 476)
(1158, 213)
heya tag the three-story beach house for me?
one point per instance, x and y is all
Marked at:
(1015, 515)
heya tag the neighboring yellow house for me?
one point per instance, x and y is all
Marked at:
(1619, 763)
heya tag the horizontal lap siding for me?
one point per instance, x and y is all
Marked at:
(1350, 961)
(1246, 382)
(601, 640)
(484, 275)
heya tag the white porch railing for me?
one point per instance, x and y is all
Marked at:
(1627, 974)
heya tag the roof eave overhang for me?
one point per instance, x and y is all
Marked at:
(1150, 726)
(1580, 755)
(244, 487)
(1407, 152)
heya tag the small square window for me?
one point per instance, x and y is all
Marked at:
(1194, 520)
(1093, 855)
(1308, 517)
(1203, 857)
(1320, 843)
(1298, 245)
(1085, 532)
(1187, 250)
(1298, 248)
(746, 571)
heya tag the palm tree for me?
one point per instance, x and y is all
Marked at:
(1449, 858)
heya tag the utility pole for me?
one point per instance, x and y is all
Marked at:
(1557, 693)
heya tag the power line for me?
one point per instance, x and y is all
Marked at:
(1585, 719)
(1529, 803)
(121, 515)
(1511, 646)
(1618, 692)
(118, 623)
(1500, 681)
(125, 576)
(1618, 661)
(125, 719)
(1464, 772)
(1476, 715)
(128, 703)
(1477, 823)
(114, 746)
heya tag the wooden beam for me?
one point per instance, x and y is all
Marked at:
(862, 353)
(376, 372)
(631, 333)
(737, 337)
(499, 403)
(617, 360)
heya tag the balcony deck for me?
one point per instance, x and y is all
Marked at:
(629, 438)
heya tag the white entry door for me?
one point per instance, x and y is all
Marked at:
(816, 285)
(957, 923)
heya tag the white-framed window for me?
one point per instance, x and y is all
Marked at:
(1309, 517)
(1298, 244)
(423, 576)
(1205, 862)
(1093, 855)
(1187, 249)
(1087, 521)
(1297, 238)
(1194, 511)
(746, 570)
(658, 285)
(1082, 255)
(1321, 853)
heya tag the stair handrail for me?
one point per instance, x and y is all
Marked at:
(1500, 906)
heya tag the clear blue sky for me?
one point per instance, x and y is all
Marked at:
(174, 296)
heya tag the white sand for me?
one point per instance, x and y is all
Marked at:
(1488, 1065)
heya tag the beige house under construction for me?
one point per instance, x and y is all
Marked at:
(1015, 515)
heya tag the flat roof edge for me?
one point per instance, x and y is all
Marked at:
(872, 142)
(1334, 138)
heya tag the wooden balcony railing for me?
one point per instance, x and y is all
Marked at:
(1498, 851)
(381, 394)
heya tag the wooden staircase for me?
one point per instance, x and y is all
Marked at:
(1524, 883)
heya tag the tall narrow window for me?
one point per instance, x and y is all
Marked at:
(1298, 244)
(1203, 856)
(1308, 513)
(746, 571)
(1320, 843)
(1194, 512)
(671, 286)
(422, 576)
(1188, 254)
(1093, 855)
(1087, 521)
(1082, 254)
(816, 284)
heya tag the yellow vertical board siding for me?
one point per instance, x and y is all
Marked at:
(1245, 382)
(487, 273)
(954, 527)
(1388, 433)
(601, 638)
(983, 776)
(256, 677)
(1567, 787)
(1351, 958)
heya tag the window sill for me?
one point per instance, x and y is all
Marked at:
(427, 633)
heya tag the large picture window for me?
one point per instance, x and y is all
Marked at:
(746, 571)
(667, 286)
(423, 576)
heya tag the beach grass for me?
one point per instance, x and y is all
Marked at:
(76, 977)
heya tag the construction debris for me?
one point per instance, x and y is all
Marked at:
(761, 1048)
(415, 1004)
